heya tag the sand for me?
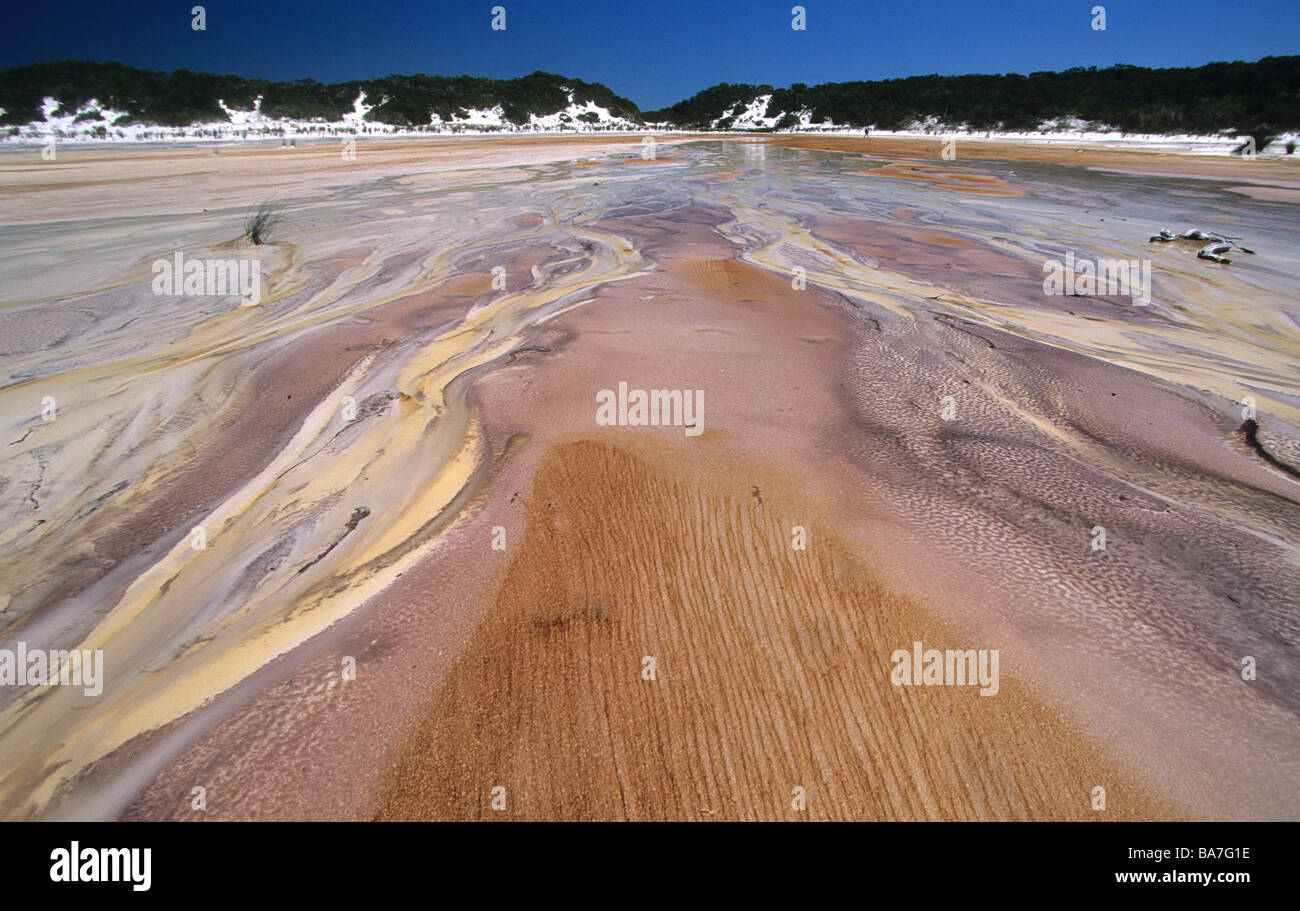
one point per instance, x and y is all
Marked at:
(520, 668)
(771, 673)
(1272, 171)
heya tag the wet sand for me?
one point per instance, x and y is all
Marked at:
(520, 668)
(771, 674)
(1280, 173)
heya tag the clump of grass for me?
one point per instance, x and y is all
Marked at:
(261, 222)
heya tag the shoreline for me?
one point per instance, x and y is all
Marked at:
(1221, 146)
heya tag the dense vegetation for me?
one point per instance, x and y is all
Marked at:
(1251, 98)
(182, 97)
(1259, 99)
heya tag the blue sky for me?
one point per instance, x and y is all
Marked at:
(655, 52)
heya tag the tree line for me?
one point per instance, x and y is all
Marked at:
(1260, 98)
(182, 97)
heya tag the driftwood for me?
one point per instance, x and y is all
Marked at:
(1214, 251)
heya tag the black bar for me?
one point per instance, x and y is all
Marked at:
(659, 862)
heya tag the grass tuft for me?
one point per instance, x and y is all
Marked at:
(263, 221)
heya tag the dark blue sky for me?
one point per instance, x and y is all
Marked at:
(655, 52)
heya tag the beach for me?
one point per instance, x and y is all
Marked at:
(426, 575)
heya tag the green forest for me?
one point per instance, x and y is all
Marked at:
(1260, 99)
(182, 97)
